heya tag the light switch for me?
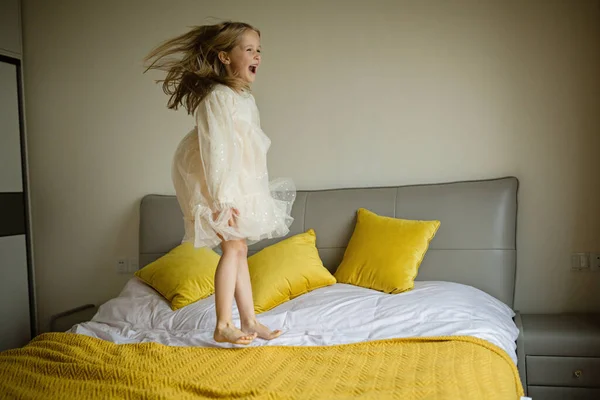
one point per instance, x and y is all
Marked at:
(580, 262)
(133, 264)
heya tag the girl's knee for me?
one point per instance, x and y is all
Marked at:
(235, 247)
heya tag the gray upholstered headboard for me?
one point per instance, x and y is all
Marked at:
(475, 245)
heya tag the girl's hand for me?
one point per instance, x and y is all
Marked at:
(232, 221)
(234, 214)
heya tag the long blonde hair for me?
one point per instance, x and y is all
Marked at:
(192, 63)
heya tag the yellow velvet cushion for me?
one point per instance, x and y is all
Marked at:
(183, 275)
(385, 253)
(286, 270)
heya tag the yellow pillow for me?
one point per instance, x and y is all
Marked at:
(287, 270)
(385, 253)
(183, 275)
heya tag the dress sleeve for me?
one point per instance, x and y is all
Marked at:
(219, 148)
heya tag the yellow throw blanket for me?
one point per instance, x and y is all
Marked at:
(72, 366)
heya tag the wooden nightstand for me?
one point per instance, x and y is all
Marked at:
(562, 356)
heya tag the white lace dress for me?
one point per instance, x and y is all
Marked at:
(221, 166)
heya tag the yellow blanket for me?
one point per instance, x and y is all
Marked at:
(71, 366)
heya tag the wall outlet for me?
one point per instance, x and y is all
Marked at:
(595, 262)
(122, 266)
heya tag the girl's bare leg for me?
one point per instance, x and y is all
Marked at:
(225, 287)
(245, 303)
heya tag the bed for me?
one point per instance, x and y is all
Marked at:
(455, 335)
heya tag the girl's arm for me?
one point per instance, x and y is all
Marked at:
(219, 148)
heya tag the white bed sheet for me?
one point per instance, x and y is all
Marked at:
(337, 314)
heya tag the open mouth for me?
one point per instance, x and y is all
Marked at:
(253, 68)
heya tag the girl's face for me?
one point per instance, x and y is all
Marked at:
(243, 61)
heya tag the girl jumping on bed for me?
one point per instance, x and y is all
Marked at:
(220, 167)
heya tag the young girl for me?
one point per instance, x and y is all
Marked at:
(220, 167)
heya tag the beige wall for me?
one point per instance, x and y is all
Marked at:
(375, 93)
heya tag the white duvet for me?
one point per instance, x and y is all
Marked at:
(337, 314)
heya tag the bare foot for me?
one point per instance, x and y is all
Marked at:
(256, 328)
(228, 333)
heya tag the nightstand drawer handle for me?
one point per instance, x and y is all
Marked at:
(578, 373)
